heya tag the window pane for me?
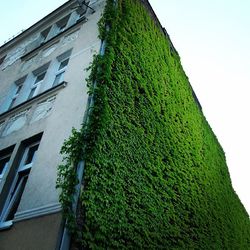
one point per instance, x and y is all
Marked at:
(58, 79)
(31, 154)
(40, 77)
(32, 91)
(63, 64)
(19, 180)
(4, 163)
(62, 23)
(16, 198)
(12, 103)
(18, 89)
(62, 28)
(2, 59)
(45, 33)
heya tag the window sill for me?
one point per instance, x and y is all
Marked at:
(6, 225)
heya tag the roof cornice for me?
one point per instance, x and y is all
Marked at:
(38, 25)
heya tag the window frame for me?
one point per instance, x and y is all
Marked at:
(14, 97)
(7, 155)
(2, 59)
(62, 24)
(18, 185)
(35, 87)
(61, 71)
(34, 90)
(45, 34)
(18, 88)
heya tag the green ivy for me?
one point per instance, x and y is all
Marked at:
(155, 174)
(72, 150)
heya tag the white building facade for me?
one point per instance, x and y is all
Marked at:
(43, 94)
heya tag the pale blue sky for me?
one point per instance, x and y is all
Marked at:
(213, 40)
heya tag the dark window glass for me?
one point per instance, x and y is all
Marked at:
(2, 59)
(63, 64)
(4, 163)
(17, 195)
(31, 154)
(45, 33)
(40, 77)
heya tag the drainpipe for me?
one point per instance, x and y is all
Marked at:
(66, 237)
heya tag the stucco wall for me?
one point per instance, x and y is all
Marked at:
(36, 234)
(54, 114)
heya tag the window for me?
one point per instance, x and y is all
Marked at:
(60, 73)
(63, 61)
(15, 96)
(62, 24)
(39, 75)
(44, 34)
(82, 8)
(18, 184)
(4, 161)
(18, 87)
(37, 84)
(5, 155)
(2, 59)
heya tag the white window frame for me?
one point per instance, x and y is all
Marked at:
(18, 88)
(60, 72)
(36, 85)
(35, 88)
(14, 97)
(17, 185)
(62, 24)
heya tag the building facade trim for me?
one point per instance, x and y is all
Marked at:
(34, 99)
(53, 39)
(37, 212)
(37, 25)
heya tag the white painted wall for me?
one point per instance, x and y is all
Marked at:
(57, 117)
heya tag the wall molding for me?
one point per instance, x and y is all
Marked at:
(38, 212)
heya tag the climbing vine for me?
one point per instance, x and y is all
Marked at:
(72, 151)
(155, 174)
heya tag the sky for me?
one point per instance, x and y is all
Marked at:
(212, 38)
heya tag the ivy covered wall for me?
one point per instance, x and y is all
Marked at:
(155, 174)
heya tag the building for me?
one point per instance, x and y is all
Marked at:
(155, 175)
(42, 75)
